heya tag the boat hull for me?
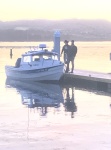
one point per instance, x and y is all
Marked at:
(44, 74)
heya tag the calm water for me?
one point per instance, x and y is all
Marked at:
(56, 117)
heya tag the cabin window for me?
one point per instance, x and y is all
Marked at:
(27, 59)
(46, 57)
(55, 57)
(36, 58)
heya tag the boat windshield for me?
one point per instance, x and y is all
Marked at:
(46, 57)
(55, 57)
(35, 58)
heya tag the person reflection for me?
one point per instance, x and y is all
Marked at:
(70, 105)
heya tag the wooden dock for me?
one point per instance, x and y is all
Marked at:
(84, 78)
(89, 75)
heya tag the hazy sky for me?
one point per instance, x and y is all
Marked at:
(55, 9)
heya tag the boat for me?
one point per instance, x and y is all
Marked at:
(37, 65)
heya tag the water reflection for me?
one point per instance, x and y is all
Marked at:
(43, 96)
(69, 103)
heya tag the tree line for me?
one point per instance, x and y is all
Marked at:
(11, 35)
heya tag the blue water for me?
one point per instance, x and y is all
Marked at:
(53, 117)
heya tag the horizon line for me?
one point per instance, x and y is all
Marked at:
(56, 19)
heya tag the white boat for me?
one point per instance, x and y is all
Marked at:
(37, 65)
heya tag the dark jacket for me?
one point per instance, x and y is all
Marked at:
(65, 49)
(72, 52)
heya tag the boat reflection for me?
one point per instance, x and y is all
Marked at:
(43, 96)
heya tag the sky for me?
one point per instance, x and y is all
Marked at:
(11, 10)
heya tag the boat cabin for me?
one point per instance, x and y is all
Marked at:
(32, 56)
(36, 57)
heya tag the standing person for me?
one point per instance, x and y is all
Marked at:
(71, 55)
(65, 49)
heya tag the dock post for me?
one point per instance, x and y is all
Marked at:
(11, 54)
(57, 42)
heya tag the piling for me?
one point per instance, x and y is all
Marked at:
(57, 42)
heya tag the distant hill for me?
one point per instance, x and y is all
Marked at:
(43, 30)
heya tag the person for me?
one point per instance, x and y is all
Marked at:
(65, 50)
(71, 56)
